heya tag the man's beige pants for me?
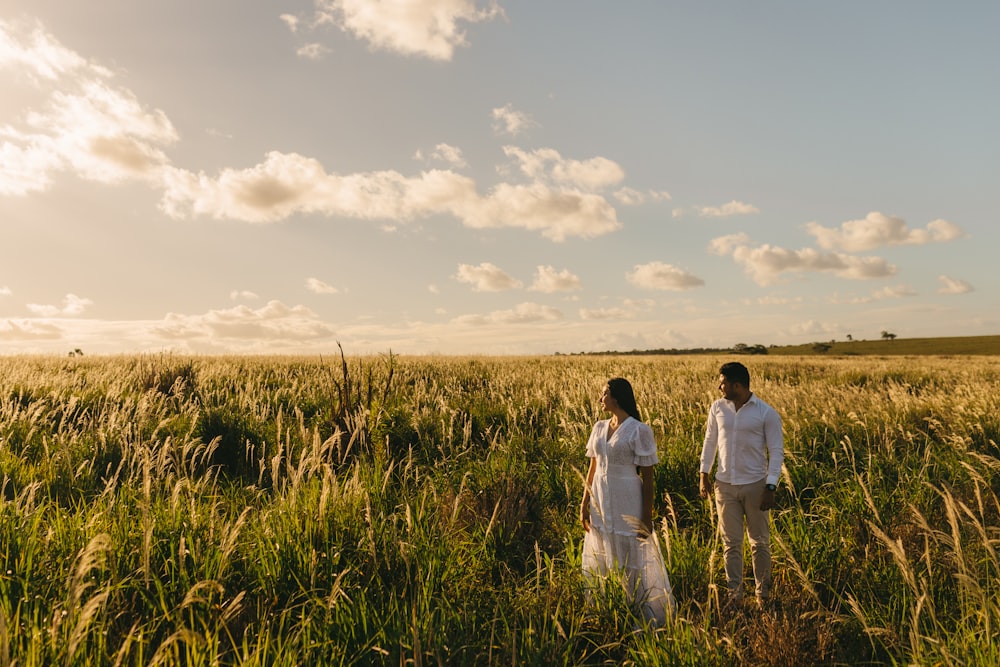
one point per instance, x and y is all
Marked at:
(736, 503)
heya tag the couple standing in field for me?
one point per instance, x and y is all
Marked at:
(742, 433)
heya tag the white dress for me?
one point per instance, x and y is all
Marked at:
(612, 543)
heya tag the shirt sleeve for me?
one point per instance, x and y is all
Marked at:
(775, 442)
(711, 442)
(592, 441)
(645, 447)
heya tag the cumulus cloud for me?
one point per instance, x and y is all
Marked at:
(312, 51)
(103, 133)
(812, 328)
(5, 291)
(660, 276)
(427, 28)
(29, 330)
(486, 277)
(547, 279)
(446, 153)
(951, 285)
(726, 210)
(523, 313)
(546, 164)
(507, 120)
(275, 322)
(877, 229)
(72, 305)
(612, 313)
(86, 124)
(291, 21)
(767, 263)
(236, 295)
(893, 292)
(632, 197)
(317, 286)
(288, 183)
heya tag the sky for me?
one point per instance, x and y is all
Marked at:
(508, 177)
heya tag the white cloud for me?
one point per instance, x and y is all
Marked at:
(523, 313)
(72, 305)
(317, 286)
(5, 291)
(312, 51)
(101, 132)
(428, 28)
(236, 295)
(547, 279)
(604, 313)
(772, 301)
(632, 197)
(506, 120)
(486, 277)
(660, 276)
(893, 292)
(726, 210)
(29, 330)
(291, 21)
(766, 263)
(953, 286)
(546, 164)
(446, 153)
(877, 229)
(287, 183)
(812, 328)
(30, 49)
(273, 322)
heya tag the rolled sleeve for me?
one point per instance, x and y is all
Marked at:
(711, 442)
(775, 446)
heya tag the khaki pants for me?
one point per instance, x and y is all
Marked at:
(736, 503)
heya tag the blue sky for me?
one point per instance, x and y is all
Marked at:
(449, 176)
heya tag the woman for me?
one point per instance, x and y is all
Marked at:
(617, 507)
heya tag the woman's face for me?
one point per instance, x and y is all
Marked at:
(607, 400)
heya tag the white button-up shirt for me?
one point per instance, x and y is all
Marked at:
(749, 442)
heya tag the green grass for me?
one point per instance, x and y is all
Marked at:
(958, 345)
(381, 510)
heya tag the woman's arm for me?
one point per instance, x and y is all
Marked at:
(585, 505)
(646, 475)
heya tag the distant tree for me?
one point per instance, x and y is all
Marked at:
(888, 336)
(741, 348)
(821, 348)
(849, 337)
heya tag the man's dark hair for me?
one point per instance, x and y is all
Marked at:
(734, 371)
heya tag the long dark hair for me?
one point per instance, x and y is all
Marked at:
(621, 391)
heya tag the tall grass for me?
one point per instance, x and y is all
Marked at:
(385, 510)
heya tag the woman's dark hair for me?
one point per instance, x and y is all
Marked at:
(621, 391)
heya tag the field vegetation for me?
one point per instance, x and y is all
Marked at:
(287, 511)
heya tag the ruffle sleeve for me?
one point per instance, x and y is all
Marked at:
(645, 446)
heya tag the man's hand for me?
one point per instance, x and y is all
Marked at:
(705, 485)
(766, 500)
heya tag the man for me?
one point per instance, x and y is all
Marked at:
(745, 433)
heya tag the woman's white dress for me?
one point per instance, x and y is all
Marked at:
(613, 543)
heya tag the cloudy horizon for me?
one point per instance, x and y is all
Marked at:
(483, 178)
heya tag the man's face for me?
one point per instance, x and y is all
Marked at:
(727, 388)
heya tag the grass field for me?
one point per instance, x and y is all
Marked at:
(289, 511)
(958, 345)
